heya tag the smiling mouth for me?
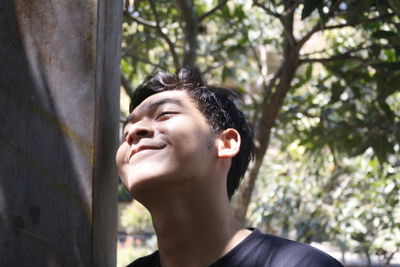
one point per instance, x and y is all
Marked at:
(144, 148)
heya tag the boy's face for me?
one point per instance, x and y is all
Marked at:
(167, 140)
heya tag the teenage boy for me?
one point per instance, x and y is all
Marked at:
(185, 148)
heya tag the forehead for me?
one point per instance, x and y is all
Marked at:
(177, 97)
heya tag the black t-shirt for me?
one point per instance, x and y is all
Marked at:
(262, 250)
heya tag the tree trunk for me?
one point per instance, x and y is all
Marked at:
(59, 99)
(269, 114)
(270, 107)
(190, 32)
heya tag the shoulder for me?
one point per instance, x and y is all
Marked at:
(286, 252)
(265, 250)
(147, 261)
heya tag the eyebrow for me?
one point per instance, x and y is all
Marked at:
(159, 102)
(150, 106)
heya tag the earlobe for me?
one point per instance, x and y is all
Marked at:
(228, 143)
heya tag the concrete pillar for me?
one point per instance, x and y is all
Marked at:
(59, 111)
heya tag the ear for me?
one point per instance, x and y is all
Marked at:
(228, 143)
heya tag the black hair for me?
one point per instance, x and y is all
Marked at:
(218, 106)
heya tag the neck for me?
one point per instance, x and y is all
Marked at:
(194, 229)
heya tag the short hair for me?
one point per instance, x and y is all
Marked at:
(218, 106)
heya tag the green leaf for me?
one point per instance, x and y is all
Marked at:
(225, 11)
(337, 90)
(380, 146)
(226, 72)
(361, 148)
(395, 4)
(309, 72)
(390, 54)
(225, 37)
(358, 10)
(385, 82)
(387, 65)
(239, 12)
(321, 13)
(384, 35)
(309, 7)
(126, 68)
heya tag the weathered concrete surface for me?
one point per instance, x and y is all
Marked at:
(59, 91)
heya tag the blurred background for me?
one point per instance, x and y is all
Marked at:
(320, 81)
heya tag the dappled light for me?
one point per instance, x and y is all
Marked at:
(320, 85)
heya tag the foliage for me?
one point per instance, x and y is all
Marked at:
(320, 80)
(354, 203)
(136, 219)
(350, 65)
(140, 239)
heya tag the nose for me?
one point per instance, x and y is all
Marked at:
(138, 131)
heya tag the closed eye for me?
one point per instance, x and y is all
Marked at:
(165, 115)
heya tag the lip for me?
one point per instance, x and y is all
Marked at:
(140, 148)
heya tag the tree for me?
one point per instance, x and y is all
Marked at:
(353, 203)
(186, 24)
(320, 80)
(344, 89)
(323, 16)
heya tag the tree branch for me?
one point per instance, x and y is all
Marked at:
(366, 21)
(265, 79)
(257, 58)
(317, 52)
(143, 60)
(333, 58)
(157, 26)
(320, 24)
(293, 8)
(287, 21)
(287, 32)
(344, 56)
(266, 9)
(190, 30)
(212, 11)
(140, 20)
(127, 86)
(271, 83)
(216, 66)
(164, 36)
(283, 18)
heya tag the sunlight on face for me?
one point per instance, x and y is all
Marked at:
(166, 140)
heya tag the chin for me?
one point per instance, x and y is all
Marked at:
(145, 181)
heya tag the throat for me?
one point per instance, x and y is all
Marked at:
(193, 235)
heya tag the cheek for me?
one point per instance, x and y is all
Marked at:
(120, 155)
(195, 145)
